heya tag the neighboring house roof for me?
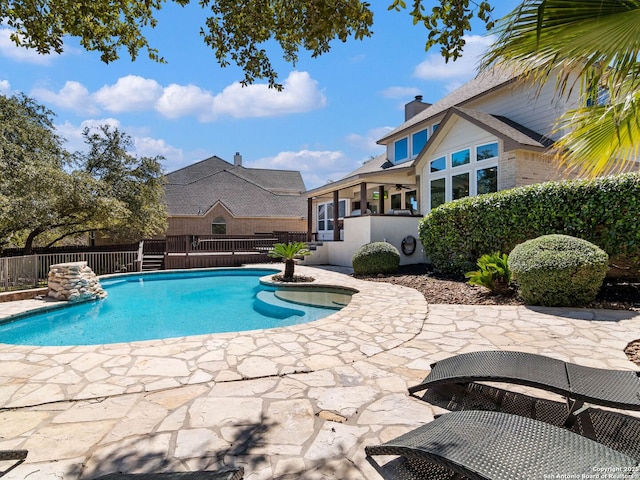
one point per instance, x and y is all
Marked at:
(245, 192)
(482, 84)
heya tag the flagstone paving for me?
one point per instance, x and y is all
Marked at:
(299, 402)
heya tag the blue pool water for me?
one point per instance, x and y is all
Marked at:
(165, 305)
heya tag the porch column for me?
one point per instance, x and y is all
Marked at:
(363, 198)
(381, 200)
(418, 199)
(336, 230)
(309, 219)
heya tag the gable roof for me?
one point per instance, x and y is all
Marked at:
(244, 192)
(512, 133)
(483, 84)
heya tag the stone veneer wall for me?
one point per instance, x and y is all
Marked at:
(74, 282)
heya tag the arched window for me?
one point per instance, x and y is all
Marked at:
(219, 226)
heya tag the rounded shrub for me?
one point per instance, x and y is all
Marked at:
(558, 270)
(374, 258)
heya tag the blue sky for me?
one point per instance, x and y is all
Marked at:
(325, 123)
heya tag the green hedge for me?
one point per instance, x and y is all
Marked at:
(603, 211)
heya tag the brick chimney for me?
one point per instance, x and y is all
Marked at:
(414, 107)
(237, 160)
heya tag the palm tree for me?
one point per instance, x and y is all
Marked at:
(592, 45)
(289, 252)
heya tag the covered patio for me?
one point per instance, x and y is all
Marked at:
(377, 202)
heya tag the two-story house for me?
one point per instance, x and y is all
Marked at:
(493, 133)
(215, 197)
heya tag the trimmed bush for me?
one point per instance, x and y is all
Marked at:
(604, 211)
(558, 270)
(374, 258)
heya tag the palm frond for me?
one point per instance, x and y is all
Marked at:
(588, 38)
(602, 138)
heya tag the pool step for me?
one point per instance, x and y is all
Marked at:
(266, 303)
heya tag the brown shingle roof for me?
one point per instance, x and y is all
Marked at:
(245, 192)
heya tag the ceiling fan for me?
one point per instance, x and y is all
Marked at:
(399, 186)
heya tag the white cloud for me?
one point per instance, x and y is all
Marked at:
(20, 54)
(463, 69)
(72, 96)
(5, 87)
(300, 94)
(367, 142)
(73, 133)
(182, 100)
(316, 166)
(130, 93)
(400, 92)
(151, 147)
(135, 93)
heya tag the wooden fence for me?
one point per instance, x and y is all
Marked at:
(202, 251)
(29, 271)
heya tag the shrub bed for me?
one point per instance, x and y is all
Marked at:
(374, 258)
(603, 211)
(558, 270)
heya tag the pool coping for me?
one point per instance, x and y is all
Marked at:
(380, 317)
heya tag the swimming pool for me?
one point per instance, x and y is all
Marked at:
(164, 305)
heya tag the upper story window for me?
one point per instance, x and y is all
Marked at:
(439, 164)
(461, 157)
(462, 173)
(434, 128)
(219, 226)
(598, 96)
(485, 152)
(418, 141)
(401, 150)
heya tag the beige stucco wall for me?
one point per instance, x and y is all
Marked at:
(370, 228)
(201, 225)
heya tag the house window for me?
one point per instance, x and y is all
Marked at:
(411, 201)
(437, 196)
(418, 140)
(396, 201)
(434, 128)
(466, 175)
(401, 150)
(484, 152)
(460, 158)
(487, 180)
(325, 215)
(219, 226)
(322, 216)
(438, 164)
(459, 186)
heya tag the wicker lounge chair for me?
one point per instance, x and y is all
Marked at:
(578, 384)
(227, 474)
(498, 446)
(17, 456)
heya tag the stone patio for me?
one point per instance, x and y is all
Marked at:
(299, 402)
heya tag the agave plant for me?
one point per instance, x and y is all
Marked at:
(289, 252)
